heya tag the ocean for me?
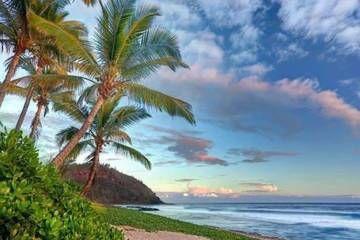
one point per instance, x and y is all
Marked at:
(294, 221)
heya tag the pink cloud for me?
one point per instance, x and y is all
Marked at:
(199, 191)
(330, 103)
(260, 187)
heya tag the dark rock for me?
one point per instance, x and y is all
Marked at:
(144, 209)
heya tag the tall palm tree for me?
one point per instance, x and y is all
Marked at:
(128, 48)
(15, 36)
(107, 131)
(43, 48)
(15, 31)
(46, 87)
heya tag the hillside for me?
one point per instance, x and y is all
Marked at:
(113, 187)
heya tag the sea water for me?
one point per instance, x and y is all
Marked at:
(295, 221)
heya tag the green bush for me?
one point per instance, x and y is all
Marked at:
(36, 204)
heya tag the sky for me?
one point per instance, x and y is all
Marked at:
(275, 89)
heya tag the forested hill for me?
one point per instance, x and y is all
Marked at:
(113, 187)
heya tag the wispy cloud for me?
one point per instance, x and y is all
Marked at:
(193, 149)
(170, 162)
(335, 21)
(258, 156)
(186, 180)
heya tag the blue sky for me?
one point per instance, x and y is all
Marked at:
(275, 87)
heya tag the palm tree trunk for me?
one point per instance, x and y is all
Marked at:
(27, 103)
(58, 161)
(36, 120)
(94, 166)
(10, 74)
(25, 108)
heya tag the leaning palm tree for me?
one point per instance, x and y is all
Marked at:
(43, 49)
(15, 31)
(107, 131)
(128, 48)
(46, 87)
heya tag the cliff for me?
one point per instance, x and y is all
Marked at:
(112, 187)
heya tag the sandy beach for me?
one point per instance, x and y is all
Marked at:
(140, 234)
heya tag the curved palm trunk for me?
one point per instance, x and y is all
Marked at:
(58, 161)
(25, 108)
(27, 103)
(94, 166)
(10, 74)
(36, 121)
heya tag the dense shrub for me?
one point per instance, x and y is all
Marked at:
(36, 204)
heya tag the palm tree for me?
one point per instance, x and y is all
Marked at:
(107, 131)
(128, 48)
(43, 48)
(15, 31)
(45, 87)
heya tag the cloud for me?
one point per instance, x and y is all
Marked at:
(170, 162)
(328, 101)
(335, 21)
(229, 13)
(253, 187)
(245, 44)
(186, 180)
(348, 81)
(195, 150)
(258, 156)
(260, 197)
(223, 192)
(258, 69)
(292, 50)
(200, 191)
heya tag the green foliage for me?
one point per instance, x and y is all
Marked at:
(151, 222)
(35, 203)
(109, 126)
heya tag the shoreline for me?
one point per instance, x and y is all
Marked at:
(132, 233)
(253, 235)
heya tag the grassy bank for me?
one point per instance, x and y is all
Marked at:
(152, 222)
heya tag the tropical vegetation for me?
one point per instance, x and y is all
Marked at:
(126, 48)
(36, 203)
(45, 87)
(107, 131)
(152, 223)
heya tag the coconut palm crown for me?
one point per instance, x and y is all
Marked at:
(16, 32)
(128, 47)
(106, 131)
(51, 84)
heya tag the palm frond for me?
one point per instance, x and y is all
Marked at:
(89, 94)
(65, 135)
(71, 108)
(110, 28)
(140, 21)
(133, 154)
(68, 42)
(160, 101)
(117, 135)
(157, 47)
(127, 116)
(16, 90)
(78, 149)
